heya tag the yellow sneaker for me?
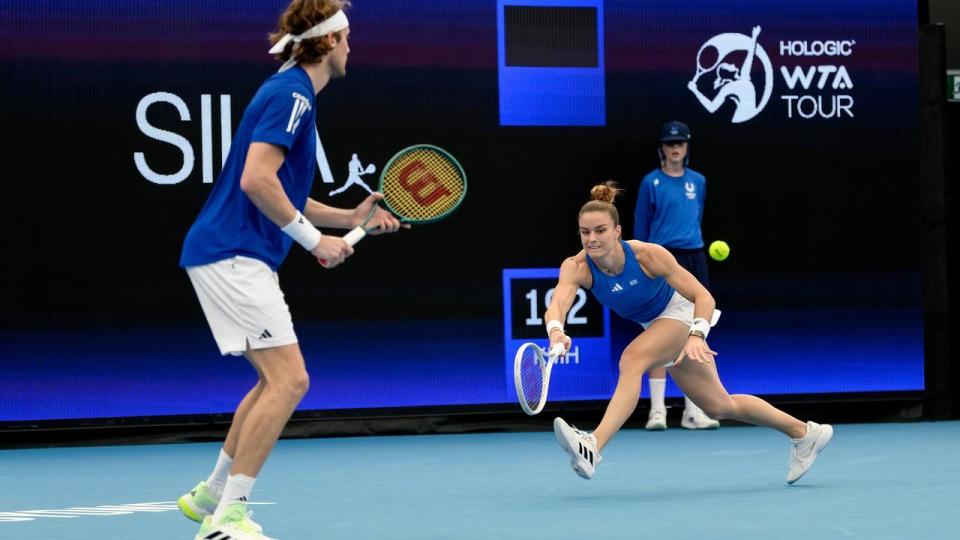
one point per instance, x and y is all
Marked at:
(198, 503)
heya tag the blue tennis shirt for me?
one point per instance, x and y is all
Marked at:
(670, 209)
(281, 113)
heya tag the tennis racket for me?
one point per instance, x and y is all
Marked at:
(531, 375)
(420, 184)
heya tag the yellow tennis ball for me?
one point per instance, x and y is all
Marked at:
(719, 250)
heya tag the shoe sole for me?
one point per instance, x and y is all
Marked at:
(660, 427)
(187, 510)
(557, 432)
(224, 532)
(818, 445)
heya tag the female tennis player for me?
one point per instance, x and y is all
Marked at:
(643, 283)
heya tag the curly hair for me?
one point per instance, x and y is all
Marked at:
(300, 16)
(601, 200)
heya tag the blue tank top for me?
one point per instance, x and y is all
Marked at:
(631, 294)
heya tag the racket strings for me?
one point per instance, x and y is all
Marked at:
(531, 377)
(423, 185)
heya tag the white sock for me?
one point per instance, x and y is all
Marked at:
(689, 405)
(657, 389)
(238, 488)
(218, 478)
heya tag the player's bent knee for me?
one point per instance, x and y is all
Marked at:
(719, 410)
(633, 365)
(292, 386)
(300, 384)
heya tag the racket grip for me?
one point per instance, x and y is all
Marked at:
(350, 238)
(557, 350)
(354, 236)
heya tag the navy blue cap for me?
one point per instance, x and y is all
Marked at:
(675, 131)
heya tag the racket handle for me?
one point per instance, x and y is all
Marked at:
(350, 238)
(354, 236)
(556, 351)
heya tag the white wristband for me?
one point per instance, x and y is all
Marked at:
(554, 325)
(701, 325)
(303, 232)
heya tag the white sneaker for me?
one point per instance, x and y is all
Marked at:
(695, 418)
(657, 420)
(805, 449)
(580, 446)
(236, 524)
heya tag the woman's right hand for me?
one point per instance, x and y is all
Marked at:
(558, 336)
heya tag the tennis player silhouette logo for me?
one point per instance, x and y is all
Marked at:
(355, 171)
(733, 81)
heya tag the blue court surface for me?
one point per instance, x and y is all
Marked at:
(897, 481)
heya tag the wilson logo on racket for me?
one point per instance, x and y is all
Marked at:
(421, 184)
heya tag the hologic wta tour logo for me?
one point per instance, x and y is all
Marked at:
(736, 67)
(723, 76)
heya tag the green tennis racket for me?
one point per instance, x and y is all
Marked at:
(420, 184)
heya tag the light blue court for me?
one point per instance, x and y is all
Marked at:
(875, 481)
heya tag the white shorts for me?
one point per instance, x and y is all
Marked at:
(681, 309)
(243, 303)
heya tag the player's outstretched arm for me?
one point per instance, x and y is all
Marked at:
(563, 296)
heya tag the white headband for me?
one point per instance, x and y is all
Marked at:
(333, 23)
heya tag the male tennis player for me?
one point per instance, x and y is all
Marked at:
(258, 207)
(643, 282)
(669, 212)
